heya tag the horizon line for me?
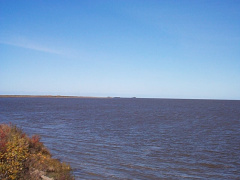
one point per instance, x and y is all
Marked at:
(107, 97)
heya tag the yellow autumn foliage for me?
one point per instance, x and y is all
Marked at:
(22, 157)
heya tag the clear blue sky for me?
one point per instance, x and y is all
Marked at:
(162, 49)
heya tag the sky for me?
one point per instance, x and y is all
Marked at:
(127, 48)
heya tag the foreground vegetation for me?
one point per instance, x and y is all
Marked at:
(22, 157)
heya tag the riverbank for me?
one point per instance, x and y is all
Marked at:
(22, 157)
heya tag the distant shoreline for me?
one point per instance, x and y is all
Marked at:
(50, 96)
(109, 97)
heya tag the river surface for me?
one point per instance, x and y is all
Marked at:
(134, 138)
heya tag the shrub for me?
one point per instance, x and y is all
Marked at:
(22, 157)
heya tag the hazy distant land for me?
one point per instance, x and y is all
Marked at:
(95, 97)
(48, 96)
